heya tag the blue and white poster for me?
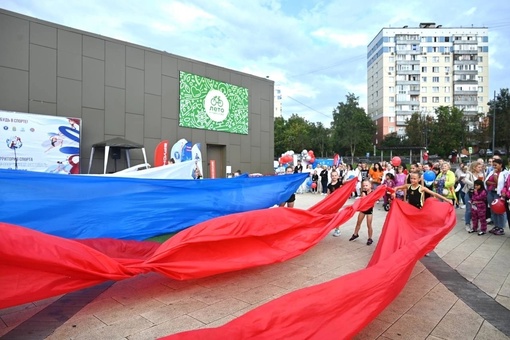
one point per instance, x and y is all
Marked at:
(39, 143)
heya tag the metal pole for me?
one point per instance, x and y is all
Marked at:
(494, 123)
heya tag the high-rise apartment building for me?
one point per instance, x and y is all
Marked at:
(418, 69)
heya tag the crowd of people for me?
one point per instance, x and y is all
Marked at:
(475, 187)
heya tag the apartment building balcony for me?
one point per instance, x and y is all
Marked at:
(465, 92)
(415, 73)
(465, 81)
(414, 92)
(464, 102)
(465, 42)
(407, 82)
(466, 62)
(408, 62)
(464, 51)
(471, 72)
(407, 40)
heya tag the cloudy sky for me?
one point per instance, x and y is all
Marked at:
(315, 51)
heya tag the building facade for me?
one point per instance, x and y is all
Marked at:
(419, 69)
(120, 89)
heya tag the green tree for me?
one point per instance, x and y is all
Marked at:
(279, 136)
(501, 107)
(418, 129)
(320, 140)
(392, 140)
(448, 131)
(351, 128)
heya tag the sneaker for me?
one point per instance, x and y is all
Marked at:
(493, 230)
(369, 241)
(337, 233)
(499, 231)
(481, 233)
(462, 206)
(468, 228)
(353, 237)
(472, 231)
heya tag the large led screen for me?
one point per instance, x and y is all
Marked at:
(212, 105)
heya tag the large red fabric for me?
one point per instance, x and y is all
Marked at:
(34, 265)
(340, 308)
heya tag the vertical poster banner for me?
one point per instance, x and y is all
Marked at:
(212, 105)
(39, 143)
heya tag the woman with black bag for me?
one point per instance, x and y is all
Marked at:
(475, 172)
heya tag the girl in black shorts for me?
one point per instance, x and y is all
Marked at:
(366, 188)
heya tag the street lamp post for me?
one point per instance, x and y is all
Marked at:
(494, 123)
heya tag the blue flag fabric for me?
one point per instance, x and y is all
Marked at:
(80, 206)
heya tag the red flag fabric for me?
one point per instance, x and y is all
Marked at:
(340, 308)
(230, 243)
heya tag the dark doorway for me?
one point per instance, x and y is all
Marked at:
(218, 154)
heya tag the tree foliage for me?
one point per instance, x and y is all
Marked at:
(500, 106)
(352, 128)
(449, 130)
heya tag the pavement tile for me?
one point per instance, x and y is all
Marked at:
(218, 310)
(177, 325)
(461, 322)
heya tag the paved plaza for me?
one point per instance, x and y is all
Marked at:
(461, 291)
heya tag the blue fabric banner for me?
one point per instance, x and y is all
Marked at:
(80, 206)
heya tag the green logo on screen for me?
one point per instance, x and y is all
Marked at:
(216, 105)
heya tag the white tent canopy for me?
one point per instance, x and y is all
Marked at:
(120, 143)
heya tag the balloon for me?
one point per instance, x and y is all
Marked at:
(428, 183)
(307, 158)
(396, 161)
(429, 176)
(312, 160)
(314, 185)
(309, 182)
(304, 153)
(310, 152)
(445, 192)
(498, 206)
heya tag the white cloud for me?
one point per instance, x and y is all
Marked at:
(315, 51)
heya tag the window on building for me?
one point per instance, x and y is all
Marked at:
(446, 99)
(435, 59)
(435, 69)
(480, 59)
(446, 89)
(447, 69)
(480, 79)
(391, 129)
(391, 119)
(446, 59)
(435, 79)
(424, 89)
(424, 68)
(391, 89)
(424, 59)
(480, 89)
(447, 79)
(423, 99)
(391, 68)
(480, 99)
(391, 99)
(424, 79)
(480, 68)
(391, 59)
(435, 99)
(435, 89)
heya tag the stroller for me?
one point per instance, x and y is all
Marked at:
(387, 197)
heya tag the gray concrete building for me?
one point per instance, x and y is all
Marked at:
(120, 89)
